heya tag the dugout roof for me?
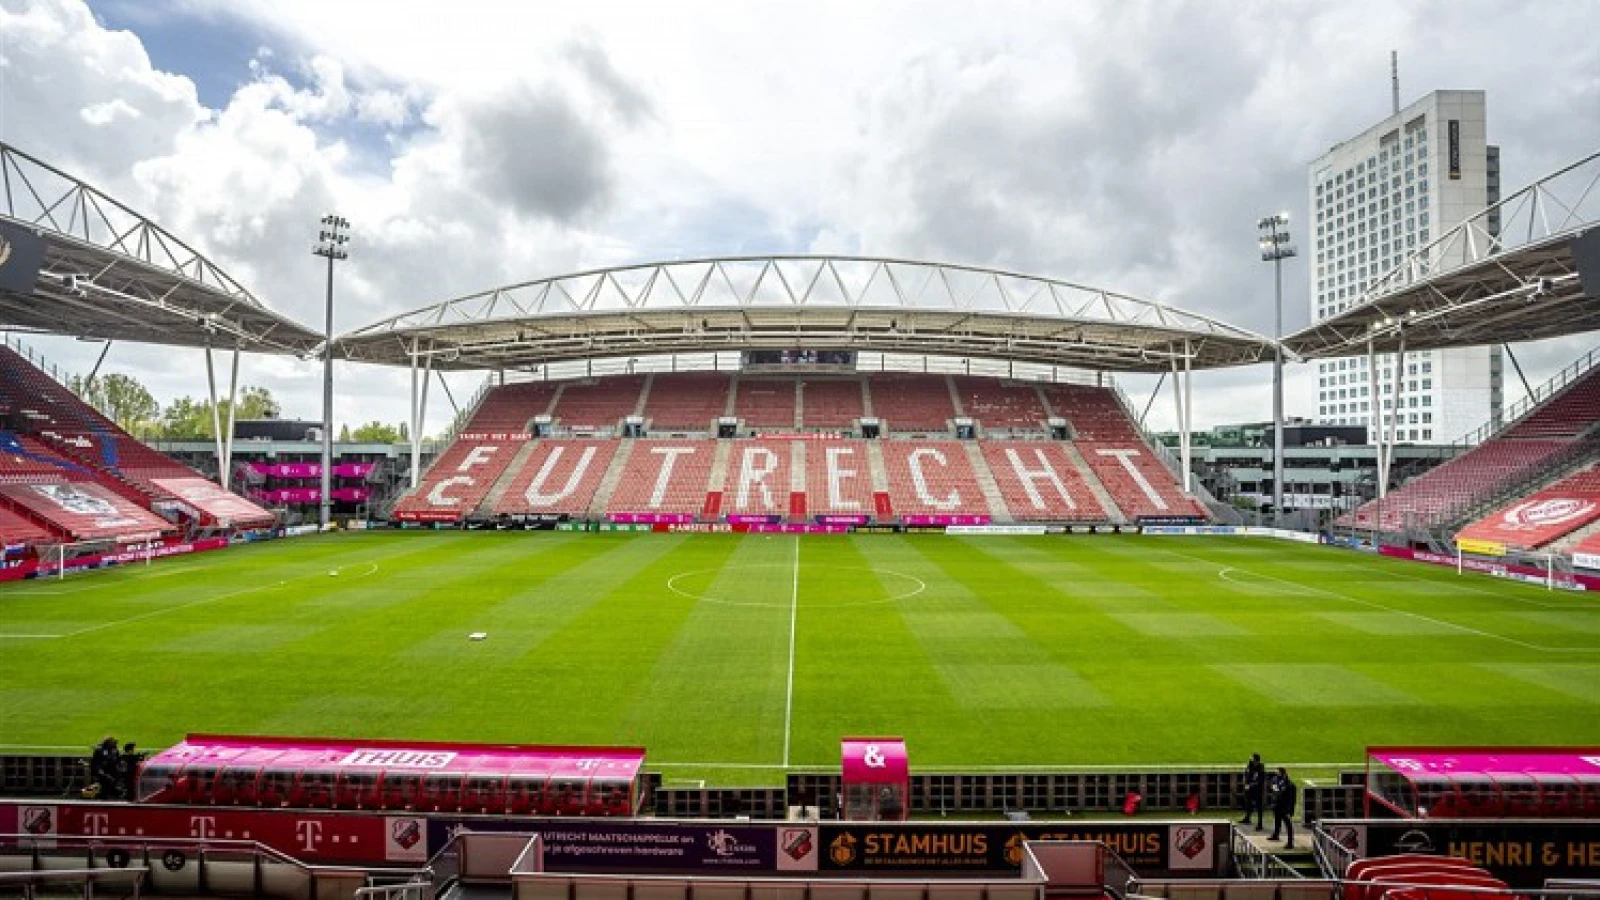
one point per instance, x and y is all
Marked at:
(107, 272)
(806, 302)
(1513, 272)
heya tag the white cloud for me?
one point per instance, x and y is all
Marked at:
(1127, 144)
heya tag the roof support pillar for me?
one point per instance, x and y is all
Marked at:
(226, 471)
(1183, 398)
(216, 412)
(1375, 389)
(1395, 414)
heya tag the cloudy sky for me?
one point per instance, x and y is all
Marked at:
(1126, 144)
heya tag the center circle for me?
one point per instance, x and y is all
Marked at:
(772, 585)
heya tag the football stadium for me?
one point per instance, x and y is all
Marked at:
(793, 575)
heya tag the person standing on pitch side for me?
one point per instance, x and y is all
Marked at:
(1255, 791)
(1284, 795)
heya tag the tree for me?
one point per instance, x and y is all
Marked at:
(344, 433)
(257, 403)
(379, 433)
(187, 418)
(120, 398)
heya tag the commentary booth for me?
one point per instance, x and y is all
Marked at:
(877, 779)
(1483, 782)
(413, 776)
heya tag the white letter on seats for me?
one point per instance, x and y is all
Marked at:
(919, 481)
(436, 496)
(478, 456)
(1031, 477)
(753, 475)
(837, 474)
(1124, 456)
(669, 459)
(535, 493)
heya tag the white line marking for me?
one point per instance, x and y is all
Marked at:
(19, 637)
(39, 747)
(672, 585)
(794, 610)
(1370, 604)
(164, 610)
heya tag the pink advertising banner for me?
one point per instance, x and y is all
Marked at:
(945, 520)
(869, 760)
(423, 756)
(651, 518)
(1420, 762)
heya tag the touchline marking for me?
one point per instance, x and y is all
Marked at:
(21, 637)
(794, 610)
(1221, 573)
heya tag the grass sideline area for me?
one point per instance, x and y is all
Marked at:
(732, 656)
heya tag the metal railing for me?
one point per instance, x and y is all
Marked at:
(1258, 864)
(54, 883)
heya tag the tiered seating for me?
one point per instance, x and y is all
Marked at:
(831, 402)
(458, 481)
(1589, 545)
(913, 402)
(85, 511)
(508, 408)
(1001, 404)
(559, 478)
(1040, 482)
(838, 478)
(758, 479)
(664, 477)
(15, 530)
(1489, 467)
(1137, 481)
(24, 460)
(1537, 520)
(687, 402)
(768, 403)
(598, 404)
(1094, 413)
(931, 478)
(1571, 413)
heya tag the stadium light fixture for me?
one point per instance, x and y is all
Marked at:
(331, 241)
(1273, 234)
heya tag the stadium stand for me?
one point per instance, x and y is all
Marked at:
(86, 511)
(458, 481)
(931, 478)
(665, 477)
(1517, 453)
(1589, 545)
(831, 402)
(598, 404)
(758, 481)
(767, 402)
(1139, 483)
(1001, 404)
(690, 401)
(913, 403)
(19, 531)
(1039, 481)
(1094, 413)
(509, 408)
(838, 478)
(560, 477)
(1543, 517)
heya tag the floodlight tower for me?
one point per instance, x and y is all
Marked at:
(1275, 248)
(331, 242)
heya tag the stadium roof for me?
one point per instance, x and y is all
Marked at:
(109, 273)
(809, 302)
(1510, 273)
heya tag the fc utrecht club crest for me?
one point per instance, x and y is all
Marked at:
(843, 850)
(405, 839)
(797, 849)
(1540, 513)
(39, 822)
(1189, 848)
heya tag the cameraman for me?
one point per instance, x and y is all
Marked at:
(128, 768)
(105, 769)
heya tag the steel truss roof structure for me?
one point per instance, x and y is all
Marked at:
(811, 302)
(112, 274)
(1507, 274)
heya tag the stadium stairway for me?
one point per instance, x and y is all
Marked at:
(612, 478)
(719, 468)
(1569, 542)
(875, 466)
(502, 484)
(644, 394)
(1092, 481)
(998, 511)
(866, 398)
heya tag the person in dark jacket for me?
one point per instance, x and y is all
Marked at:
(1284, 797)
(1255, 791)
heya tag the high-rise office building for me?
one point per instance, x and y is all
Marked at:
(1374, 200)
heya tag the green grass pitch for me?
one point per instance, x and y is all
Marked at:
(730, 657)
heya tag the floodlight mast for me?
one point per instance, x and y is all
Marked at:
(1275, 248)
(331, 242)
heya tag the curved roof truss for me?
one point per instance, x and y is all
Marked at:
(110, 273)
(817, 302)
(1506, 274)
